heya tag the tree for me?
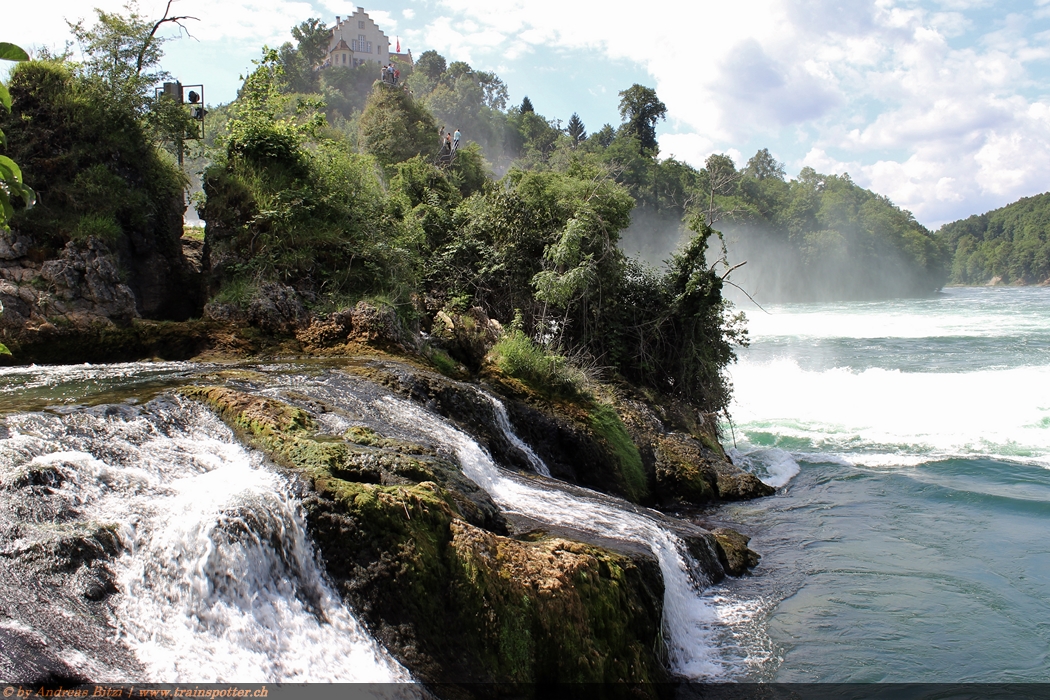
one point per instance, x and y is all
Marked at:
(493, 88)
(722, 177)
(313, 38)
(11, 184)
(431, 64)
(526, 105)
(124, 52)
(576, 130)
(763, 165)
(604, 136)
(301, 62)
(641, 109)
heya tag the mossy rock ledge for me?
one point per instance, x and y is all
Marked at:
(635, 448)
(422, 555)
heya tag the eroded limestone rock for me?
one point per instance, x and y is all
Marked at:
(420, 556)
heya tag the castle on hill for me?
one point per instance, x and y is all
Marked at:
(357, 40)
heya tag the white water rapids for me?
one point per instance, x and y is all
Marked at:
(219, 582)
(689, 620)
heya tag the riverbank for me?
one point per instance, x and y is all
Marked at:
(593, 440)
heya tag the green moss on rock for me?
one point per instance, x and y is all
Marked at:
(610, 429)
(453, 599)
(733, 552)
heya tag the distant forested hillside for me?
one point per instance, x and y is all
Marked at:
(821, 237)
(1010, 245)
(816, 237)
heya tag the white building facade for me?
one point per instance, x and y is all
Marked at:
(356, 40)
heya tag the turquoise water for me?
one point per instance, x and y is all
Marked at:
(909, 539)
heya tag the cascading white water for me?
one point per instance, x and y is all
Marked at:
(219, 582)
(688, 619)
(503, 421)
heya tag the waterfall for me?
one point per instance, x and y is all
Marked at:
(218, 581)
(687, 619)
(503, 421)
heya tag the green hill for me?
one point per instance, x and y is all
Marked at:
(1010, 245)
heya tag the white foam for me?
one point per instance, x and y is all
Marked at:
(1004, 412)
(690, 623)
(503, 421)
(219, 581)
(773, 467)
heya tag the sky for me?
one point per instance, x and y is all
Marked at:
(941, 105)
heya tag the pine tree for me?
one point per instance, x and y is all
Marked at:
(526, 105)
(576, 130)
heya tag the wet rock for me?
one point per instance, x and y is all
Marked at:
(466, 337)
(26, 658)
(680, 449)
(733, 551)
(429, 567)
(276, 308)
(683, 472)
(224, 312)
(53, 589)
(95, 582)
(738, 485)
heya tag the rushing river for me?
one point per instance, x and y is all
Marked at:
(912, 441)
(218, 579)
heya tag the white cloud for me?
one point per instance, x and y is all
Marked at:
(940, 128)
(925, 101)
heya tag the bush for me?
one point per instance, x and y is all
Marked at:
(518, 356)
(102, 227)
(394, 127)
(93, 165)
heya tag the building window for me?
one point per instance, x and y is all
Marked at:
(361, 24)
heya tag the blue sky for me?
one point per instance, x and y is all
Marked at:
(941, 105)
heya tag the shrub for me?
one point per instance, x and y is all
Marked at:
(102, 227)
(518, 356)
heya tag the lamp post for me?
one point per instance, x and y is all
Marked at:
(191, 96)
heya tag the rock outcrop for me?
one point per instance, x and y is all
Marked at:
(733, 551)
(426, 559)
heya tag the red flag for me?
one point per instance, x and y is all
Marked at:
(399, 45)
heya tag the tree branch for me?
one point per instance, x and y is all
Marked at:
(726, 273)
(747, 295)
(149, 40)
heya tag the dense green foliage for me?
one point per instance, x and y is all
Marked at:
(394, 127)
(11, 184)
(295, 201)
(286, 205)
(323, 189)
(1010, 245)
(96, 170)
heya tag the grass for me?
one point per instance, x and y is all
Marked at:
(193, 233)
(606, 423)
(518, 356)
